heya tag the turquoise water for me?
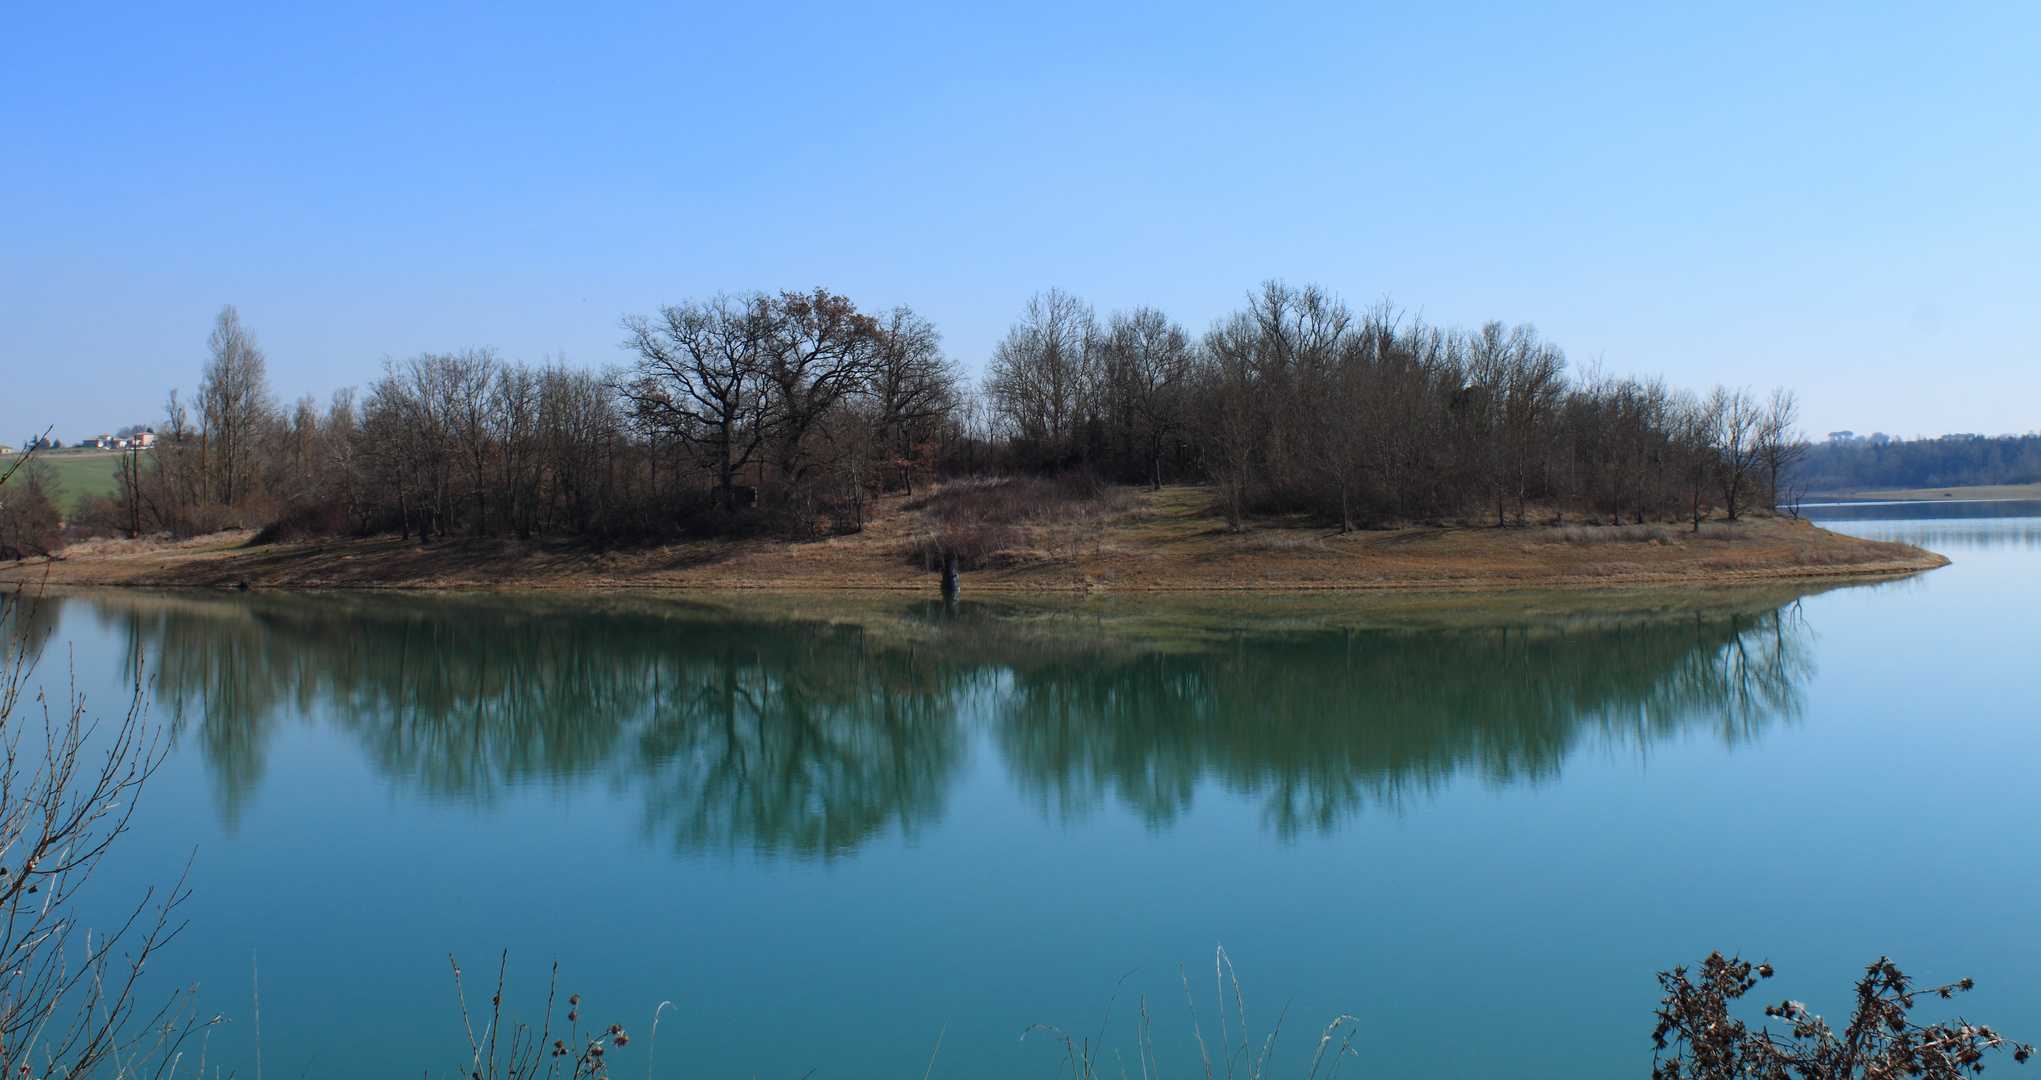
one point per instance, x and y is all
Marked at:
(830, 832)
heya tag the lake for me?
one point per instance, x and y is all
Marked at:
(833, 832)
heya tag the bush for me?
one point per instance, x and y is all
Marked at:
(1881, 1040)
(29, 523)
(304, 521)
(977, 517)
(94, 516)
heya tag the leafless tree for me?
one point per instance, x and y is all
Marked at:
(71, 1007)
(1146, 362)
(29, 521)
(236, 409)
(912, 390)
(1042, 378)
(1739, 446)
(818, 349)
(1696, 439)
(1780, 446)
(700, 377)
(512, 450)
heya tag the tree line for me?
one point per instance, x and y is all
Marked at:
(1297, 402)
(790, 412)
(1846, 463)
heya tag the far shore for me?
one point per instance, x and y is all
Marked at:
(1983, 493)
(1172, 541)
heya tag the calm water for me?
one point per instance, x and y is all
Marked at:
(829, 831)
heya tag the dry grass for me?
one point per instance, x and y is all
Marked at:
(1613, 534)
(1012, 520)
(1028, 535)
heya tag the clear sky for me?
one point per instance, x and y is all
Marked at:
(1844, 198)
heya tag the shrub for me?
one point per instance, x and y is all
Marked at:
(94, 516)
(29, 523)
(977, 517)
(1881, 1040)
(304, 520)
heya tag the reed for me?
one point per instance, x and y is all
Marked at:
(1239, 1055)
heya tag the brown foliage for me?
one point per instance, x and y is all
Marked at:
(974, 519)
(29, 523)
(1881, 1040)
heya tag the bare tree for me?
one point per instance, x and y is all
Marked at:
(236, 409)
(71, 1008)
(512, 426)
(1519, 383)
(1779, 445)
(700, 377)
(818, 349)
(1042, 376)
(1697, 438)
(912, 389)
(1146, 361)
(29, 521)
(1739, 446)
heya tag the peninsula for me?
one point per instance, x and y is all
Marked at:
(1123, 540)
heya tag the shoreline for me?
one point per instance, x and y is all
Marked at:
(1980, 493)
(1170, 542)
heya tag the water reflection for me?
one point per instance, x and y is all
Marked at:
(806, 732)
(1939, 525)
(1950, 535)
(1316, 726)
(1922, 510)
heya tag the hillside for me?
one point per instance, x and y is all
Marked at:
(78, 472)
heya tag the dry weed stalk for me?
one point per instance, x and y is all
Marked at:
(1084, 1056)
(62, 805)
(528, 1054)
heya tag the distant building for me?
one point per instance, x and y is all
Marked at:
(6, 449)
(139, 440)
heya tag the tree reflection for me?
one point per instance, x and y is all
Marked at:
(788, 734)
(1318, 725)
(780, 737)
(809, 738)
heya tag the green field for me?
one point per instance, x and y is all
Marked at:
(77, 472)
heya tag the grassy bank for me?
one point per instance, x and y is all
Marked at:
(1132, 541)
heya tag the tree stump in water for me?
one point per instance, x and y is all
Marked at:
(949, 575)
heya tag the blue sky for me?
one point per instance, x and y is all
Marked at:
(1837, 198)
